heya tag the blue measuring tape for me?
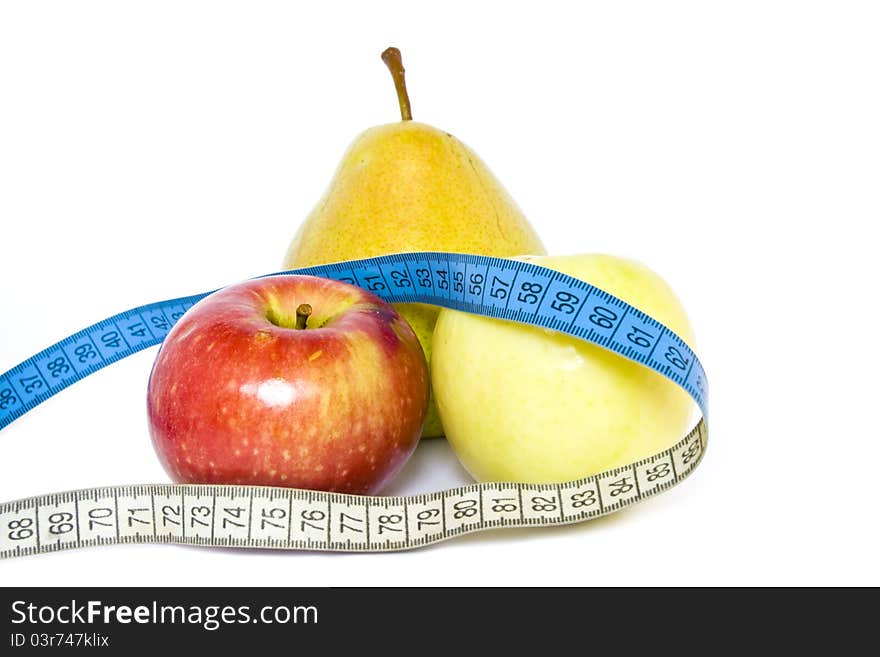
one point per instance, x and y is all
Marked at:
(461, 282)
(476, 284)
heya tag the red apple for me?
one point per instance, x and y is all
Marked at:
(240, 395)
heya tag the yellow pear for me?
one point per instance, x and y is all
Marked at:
(408, 186)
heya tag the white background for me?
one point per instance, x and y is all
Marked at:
(151, 150)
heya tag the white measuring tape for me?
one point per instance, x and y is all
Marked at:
(285, 518)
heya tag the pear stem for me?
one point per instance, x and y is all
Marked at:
(302, 315)
(394, 62)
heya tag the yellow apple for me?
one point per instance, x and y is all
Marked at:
(522, 403)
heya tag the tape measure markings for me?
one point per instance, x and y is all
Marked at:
(540, 316)
(33, 381)
(266, 517)
(138, 329)
(544, 298)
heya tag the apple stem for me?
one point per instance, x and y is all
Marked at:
(302, 315)
(394, 62)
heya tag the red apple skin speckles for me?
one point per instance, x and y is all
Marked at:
(338, 406)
